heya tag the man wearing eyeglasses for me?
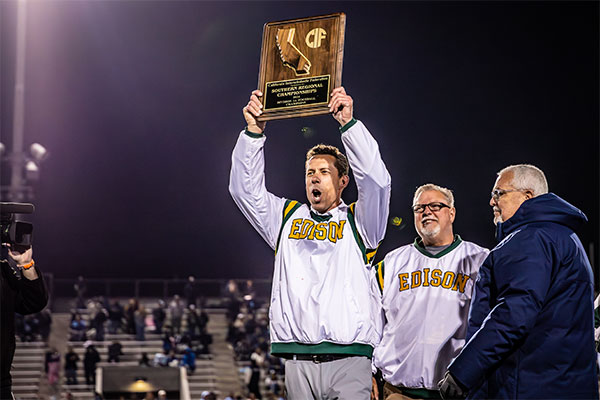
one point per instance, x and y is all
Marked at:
(531, 325)
(426, 291)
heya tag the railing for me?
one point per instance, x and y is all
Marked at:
(150, 287)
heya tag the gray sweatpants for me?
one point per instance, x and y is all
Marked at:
(345, 379)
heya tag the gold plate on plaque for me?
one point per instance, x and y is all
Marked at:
(300, 64)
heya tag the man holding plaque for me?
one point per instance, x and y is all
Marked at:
(323, 314)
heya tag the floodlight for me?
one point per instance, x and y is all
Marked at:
(38, 152)
(32, 171)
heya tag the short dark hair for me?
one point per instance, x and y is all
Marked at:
(341, 162)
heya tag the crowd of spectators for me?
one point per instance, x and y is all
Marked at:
(182, 347)
(249, 336)
(181, 322)
(182, 342)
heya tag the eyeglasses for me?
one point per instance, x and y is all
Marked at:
(419, 208)
(497, 193)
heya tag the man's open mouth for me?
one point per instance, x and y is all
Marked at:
(316, 194)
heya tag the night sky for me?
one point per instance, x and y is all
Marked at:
(139, 103)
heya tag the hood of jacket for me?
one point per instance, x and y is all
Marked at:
(545, 208)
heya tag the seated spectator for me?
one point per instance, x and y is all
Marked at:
(189, 360)
(161, 359)
(115, 351)
(78, 328)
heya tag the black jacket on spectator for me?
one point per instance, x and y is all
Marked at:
(91, 358)
(114, 352)
(16, 295)
(71, 359)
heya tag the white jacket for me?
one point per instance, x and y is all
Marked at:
(426, 301)
(322, 295)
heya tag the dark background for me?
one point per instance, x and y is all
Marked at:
(139, 103)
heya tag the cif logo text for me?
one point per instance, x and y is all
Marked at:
(314, 37)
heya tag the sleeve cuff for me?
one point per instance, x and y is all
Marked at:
(349, 125)
(252, 134)
(465, 381)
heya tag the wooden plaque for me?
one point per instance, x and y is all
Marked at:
(300, 64)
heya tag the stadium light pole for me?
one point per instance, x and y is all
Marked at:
(18, 190)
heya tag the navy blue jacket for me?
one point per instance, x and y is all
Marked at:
(531, 323)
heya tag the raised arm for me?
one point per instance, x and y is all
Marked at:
(247, 179)
(32, 295)
(372, 178)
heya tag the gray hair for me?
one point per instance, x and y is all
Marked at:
(527, 177)
(431, 186)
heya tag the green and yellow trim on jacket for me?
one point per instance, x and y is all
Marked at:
(419, 246)
(380, 273)
(368, 254)
(288, 209)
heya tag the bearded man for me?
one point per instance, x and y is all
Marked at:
(426, 291)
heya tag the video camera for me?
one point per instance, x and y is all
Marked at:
(16, 233)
